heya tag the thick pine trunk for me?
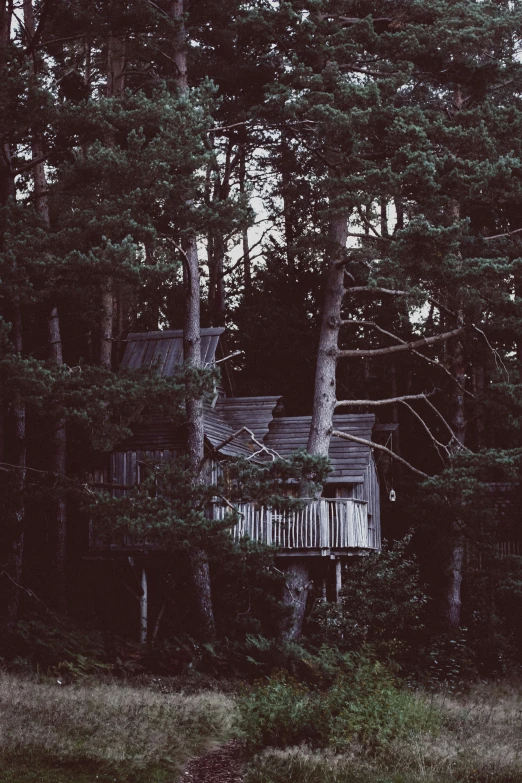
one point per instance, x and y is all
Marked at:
(198, 559)
(325, 375)
(298, 579)
(297, 586)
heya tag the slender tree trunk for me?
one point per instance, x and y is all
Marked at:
(13, 563)
(454, 566)
(518, 295)
(198, 558)
(58, 532)
(247, 268)
(15, 425)
(287, 165)
(114, 87)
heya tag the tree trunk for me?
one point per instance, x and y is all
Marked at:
(297, 574)
(11, 572)
(297, 586)
(247, 273)
(114, 87)
(453, 600)
(13, 563)
(198, 560)
(325, 376)
(58, 532)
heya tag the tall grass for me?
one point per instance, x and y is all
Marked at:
(113, 730)
(478, 740)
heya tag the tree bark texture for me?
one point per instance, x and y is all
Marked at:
(298, 575)
(325, 378)
(200, 573)
(295, 595)
(453, 599)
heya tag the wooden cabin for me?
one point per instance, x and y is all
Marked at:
(345, 520)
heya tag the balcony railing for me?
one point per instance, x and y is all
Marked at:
(319, 525)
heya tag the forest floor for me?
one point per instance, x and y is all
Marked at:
(103, 731)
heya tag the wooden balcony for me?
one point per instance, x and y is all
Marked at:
(320, 527)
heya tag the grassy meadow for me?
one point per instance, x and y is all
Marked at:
(107, 732)
(103, 731)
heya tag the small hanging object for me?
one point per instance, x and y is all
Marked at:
(393, 496)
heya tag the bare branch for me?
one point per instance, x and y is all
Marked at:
(230, 356)
(365, 353)
(496, 354)
(388, 401)
(438, 445)
(377, 446)
(261, 447)
(359, 289)
(415, 353)
(507, 234)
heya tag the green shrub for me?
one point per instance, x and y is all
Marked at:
(362, 705)
(382, 606)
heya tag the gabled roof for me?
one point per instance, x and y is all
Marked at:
(163, 350)
(349, 460)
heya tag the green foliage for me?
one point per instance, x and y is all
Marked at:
(362, 705)
(383, 605)
(171, 505)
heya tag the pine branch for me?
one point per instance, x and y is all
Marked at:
(377, 446)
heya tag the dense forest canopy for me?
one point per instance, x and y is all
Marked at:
(338, 182)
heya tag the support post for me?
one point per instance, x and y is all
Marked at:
(338, 580)
(144, 607)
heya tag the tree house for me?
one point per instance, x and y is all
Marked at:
(344, 522)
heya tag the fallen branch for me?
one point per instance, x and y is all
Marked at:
(377, 446)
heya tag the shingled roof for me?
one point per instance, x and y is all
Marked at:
(349, 460)
(163, 350)
(256, 413)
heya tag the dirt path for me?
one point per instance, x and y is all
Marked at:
(222, 765)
